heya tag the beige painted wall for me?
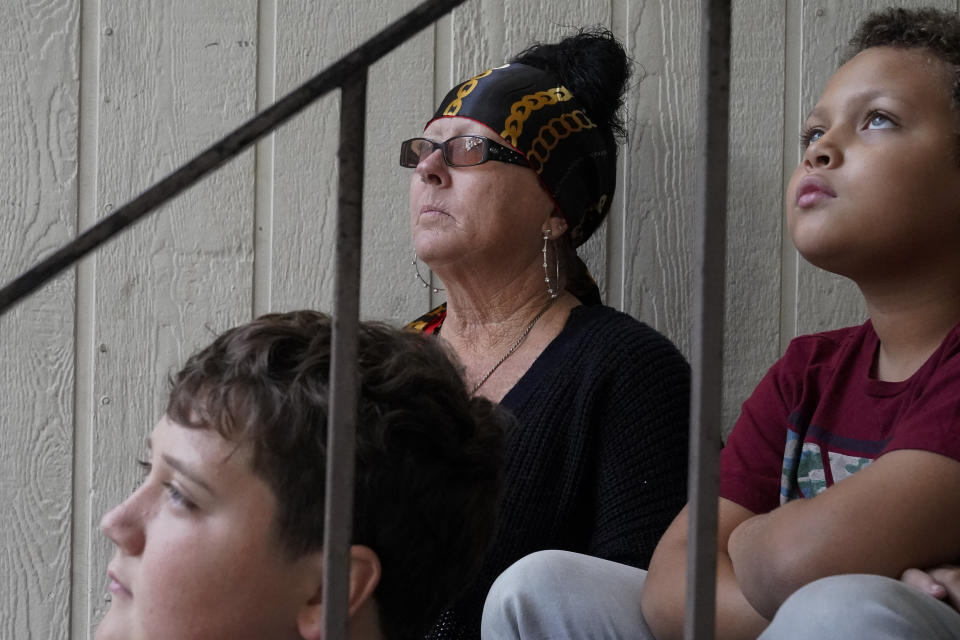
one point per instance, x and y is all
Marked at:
(99, 98)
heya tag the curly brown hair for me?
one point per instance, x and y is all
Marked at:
(428, 458)
(931, 29)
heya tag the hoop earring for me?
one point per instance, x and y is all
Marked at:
(546, 273)
(420, 277)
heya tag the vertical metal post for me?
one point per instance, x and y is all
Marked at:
(707, 344)
(344, 378)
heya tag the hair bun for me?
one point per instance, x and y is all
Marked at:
(593, 65)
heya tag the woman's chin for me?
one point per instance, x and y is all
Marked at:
(433, 250)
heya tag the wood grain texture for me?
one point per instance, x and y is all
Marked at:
(754, 201)
(175, 76)
(38, 132)
(310, 36)
(659, 189)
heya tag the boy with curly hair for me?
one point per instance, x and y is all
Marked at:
(223, 538)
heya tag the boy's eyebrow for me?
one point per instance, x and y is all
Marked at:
(860, 97)
(181, 467)
(874, 92)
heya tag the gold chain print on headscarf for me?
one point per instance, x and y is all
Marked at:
(454, 107)
(524, 108)
(552, 133)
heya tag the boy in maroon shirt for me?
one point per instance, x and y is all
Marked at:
(876, 198)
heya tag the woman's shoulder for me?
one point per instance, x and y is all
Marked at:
(604, 327)
(603, 343)
(600, 347)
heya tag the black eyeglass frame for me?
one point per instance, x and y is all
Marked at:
(492, 150)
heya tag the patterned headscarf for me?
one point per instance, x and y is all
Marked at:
(544, 121)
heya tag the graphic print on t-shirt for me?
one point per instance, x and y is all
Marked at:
(807, 471)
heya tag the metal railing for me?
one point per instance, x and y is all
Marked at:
(706, 344)
(350, 75)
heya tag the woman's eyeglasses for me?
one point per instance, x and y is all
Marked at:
(459, 151)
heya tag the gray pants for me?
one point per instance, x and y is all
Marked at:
(863, 606)
(557, 595)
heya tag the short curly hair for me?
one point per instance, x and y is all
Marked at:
(428, 461)
(931, 29)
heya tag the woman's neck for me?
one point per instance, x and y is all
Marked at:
(497, 346)
(500, 318)
(479, 323)
(488, 306)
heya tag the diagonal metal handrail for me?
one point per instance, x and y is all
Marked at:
(227, 148)
(706, 356)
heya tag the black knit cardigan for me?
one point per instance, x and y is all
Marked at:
(597, 463)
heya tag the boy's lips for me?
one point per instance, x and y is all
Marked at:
(812, 190)
(117, 587)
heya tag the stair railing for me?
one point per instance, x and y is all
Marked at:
(349, 74)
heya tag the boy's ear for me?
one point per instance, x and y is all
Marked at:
(364, 578)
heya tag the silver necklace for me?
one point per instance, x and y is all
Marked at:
(515, 346)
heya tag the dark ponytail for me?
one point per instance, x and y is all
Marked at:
(594, 67)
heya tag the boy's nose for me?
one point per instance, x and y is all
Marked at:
(822, 154)
(123, 525)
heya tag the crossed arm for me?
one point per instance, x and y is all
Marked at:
(664, 590)
(902, 511)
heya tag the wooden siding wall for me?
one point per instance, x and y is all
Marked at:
(99, 98)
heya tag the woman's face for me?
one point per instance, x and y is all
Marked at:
(484, 214)
(197, 550)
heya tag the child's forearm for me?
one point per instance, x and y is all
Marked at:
(755, 563)
(773, 555)
(664, 595)
(872, 522)
(737, 619)
(776, 553)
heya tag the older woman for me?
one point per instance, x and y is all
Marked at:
(515, 170)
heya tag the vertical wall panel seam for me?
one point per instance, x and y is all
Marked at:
(82, 581)
(617, 224)
(443, 66)
(264, 156)
(496, 24)
(792, 117)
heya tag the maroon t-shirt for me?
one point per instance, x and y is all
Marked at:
(818, 417)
